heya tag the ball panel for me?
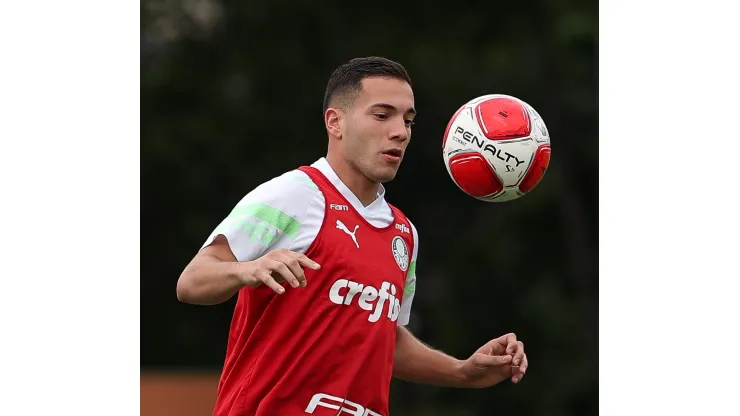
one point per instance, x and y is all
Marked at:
(537, 170)
(508, 194)
(510, 159)
(474, 175)
(447, 129)
(463, 132)
(503, 119)
(540, 134)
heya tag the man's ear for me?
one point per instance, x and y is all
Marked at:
(333, 119)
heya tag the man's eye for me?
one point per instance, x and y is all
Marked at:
(381, 116)
(410, 123)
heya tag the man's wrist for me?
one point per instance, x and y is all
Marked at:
(459, 378)
(240, 273)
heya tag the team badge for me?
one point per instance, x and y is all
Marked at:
(400, 252)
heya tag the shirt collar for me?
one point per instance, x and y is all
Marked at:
(323, 166)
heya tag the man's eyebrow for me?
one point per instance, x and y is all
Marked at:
(393, 108)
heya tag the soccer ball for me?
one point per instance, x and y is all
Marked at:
(496, 148)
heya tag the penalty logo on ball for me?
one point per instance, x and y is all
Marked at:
(400, 252)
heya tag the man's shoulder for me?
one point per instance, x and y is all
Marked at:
(292, 187)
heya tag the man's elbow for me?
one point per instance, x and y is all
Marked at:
(191, 293)
(187, 292)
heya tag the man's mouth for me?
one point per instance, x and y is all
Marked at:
(394, 152)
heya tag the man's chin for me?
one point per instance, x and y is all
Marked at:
(384, 175)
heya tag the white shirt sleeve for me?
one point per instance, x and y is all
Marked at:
(271, 217)
(408, 293)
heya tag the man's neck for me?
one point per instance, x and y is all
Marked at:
(364, 189)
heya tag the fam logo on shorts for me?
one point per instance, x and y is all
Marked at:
(400, 252)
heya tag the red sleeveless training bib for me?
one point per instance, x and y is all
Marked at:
(327, 347)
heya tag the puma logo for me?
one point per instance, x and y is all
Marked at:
(341, 226)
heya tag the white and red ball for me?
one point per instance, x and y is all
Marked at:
(496, 148)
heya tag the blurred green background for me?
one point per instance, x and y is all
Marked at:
(231, 97)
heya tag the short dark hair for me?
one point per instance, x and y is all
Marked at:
(346, 81)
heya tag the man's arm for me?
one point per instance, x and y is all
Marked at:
(413, 361)
(493, 363)
(212, 277)
(253, 245)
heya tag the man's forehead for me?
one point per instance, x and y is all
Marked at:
(383, 89)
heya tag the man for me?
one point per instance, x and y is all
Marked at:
(325, 272)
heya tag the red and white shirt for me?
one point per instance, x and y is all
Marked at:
(325, 349)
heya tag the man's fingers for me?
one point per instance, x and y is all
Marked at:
(284, 271)
(295, 268)
(505, 340)
(511, 343)
(494, 348)
(307, 262)
(517, 373)
(264, 276)
(518, 353)
(525, 363)
(483, 360)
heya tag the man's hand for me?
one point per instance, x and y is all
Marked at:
(277, 267)
(214, 275)
(495, 362)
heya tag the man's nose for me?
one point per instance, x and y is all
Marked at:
(400, 132)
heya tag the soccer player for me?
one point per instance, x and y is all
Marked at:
(325, 272)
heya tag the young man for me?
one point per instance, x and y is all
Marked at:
(325, 272)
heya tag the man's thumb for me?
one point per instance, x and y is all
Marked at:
(484, 360)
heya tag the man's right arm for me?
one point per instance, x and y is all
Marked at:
(251, 245)
(214, 275)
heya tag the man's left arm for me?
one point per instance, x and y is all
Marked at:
(414, 361)
(498, 360)
(494, 362)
